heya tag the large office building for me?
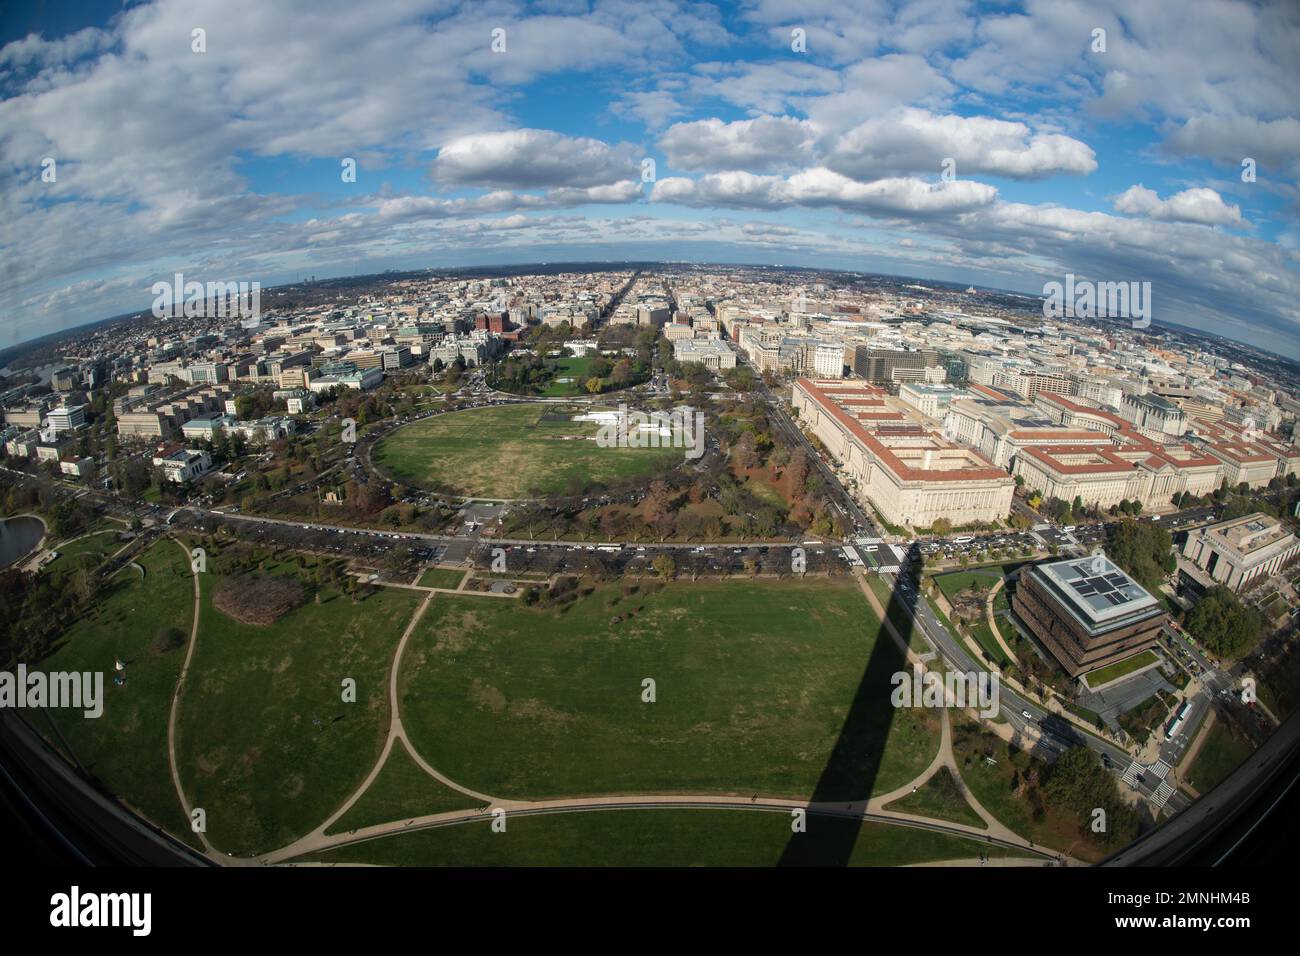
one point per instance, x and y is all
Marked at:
(893, 365)
(1153, 416)
(932, 401)
(1134, 470)
(1087, 612)
(711, 353)
(909, 474)
(1235, 553)
(66, 418)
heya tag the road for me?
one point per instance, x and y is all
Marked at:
(1052, 730)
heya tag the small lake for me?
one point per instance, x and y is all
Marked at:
(18, 536)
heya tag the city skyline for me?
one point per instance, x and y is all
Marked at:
(970, 143)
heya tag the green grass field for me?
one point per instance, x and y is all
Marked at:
(126, 747)
(507, 452)
(753, 684)
(1222, 753)
(573, 369)
(442, 577)
(265, 742)
(87, 552)
(401, 791)
(645, 838)
(983, 635)
(950, 582)
(941, 799)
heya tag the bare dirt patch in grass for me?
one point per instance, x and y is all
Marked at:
(253, 599)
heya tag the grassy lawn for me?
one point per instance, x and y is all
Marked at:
(939, 798)
(954, 581)
(1276, 607)
(442, 578)
(88, 552)
(983, 635)
(573, 369)
(401, 791)
(1222, 753)
(1117, 670)
(646, 838)
(126, 747)
(950, 582)
(507, 451)
(998, 788)
(753, 683)
(251, 751)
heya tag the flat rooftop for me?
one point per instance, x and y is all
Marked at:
(1250, 539)
(1097, 591)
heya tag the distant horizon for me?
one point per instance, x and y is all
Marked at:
(964, 142)
(613, 264)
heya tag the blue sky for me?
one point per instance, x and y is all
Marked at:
(225, 164)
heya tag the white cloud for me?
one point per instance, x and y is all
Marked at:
(913, 140)
(819, 186)
(1198, 205)
(1273, 144)
(763, 143)
(532, 158)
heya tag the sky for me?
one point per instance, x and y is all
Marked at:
(999, 144)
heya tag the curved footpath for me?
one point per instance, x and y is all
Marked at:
(317, 841)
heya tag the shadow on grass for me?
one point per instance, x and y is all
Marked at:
(850, 773)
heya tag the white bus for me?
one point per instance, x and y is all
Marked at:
(1177, 723)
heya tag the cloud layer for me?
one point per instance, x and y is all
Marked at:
(942, 138)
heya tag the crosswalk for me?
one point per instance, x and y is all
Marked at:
(1159, 769)
(1162, 794)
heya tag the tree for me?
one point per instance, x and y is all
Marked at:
(798, 471)
(1079, 783)
(1144, 550)
(941, 526)
(1223, 623)
(746, 452)
(658, 507)
(664, 566)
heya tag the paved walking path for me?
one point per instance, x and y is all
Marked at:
(318, 840)
(209, 849)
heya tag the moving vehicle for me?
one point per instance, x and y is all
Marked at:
(1176, 724)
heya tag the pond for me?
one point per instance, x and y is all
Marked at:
(18, 536)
